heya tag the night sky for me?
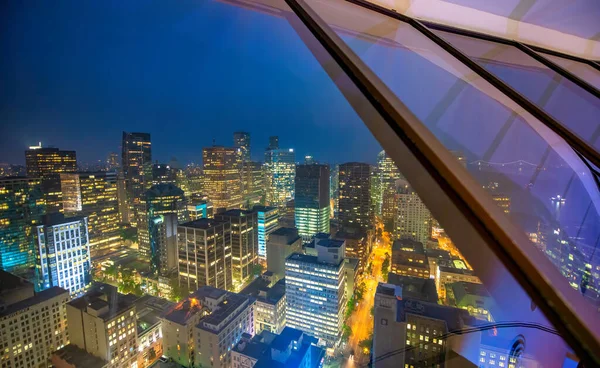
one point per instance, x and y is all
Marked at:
(76, 74)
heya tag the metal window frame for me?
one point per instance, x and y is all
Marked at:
(470, 216)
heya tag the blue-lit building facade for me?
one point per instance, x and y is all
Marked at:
(63, 254)
(268, 221)
(312, 206)
(22, 206)
(316, 292)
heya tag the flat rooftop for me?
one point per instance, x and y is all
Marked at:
(101, 295)
(463, 288)
(223, 310)
(236, 212)
(79, 358)
(259, 208)
(270, 295)
(203, 223)
(407, 245)
(40, 297)
(331, 243)
(415, 287)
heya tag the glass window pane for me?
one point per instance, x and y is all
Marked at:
(571, 105)
(553, 196)
(584, 71)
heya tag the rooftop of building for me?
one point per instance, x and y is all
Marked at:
(164, 189)
(350, 234)
(463, 288)
(187, 308)
(149, 309)
(223, 311)
(203, 223)
(406, 263)
(8, 282)
(407, 245)
(438, 253)
(305, 258)
(103, 296)
(260, 208)
(461, 271)
(415, 287)
(235, 212)
(259, 289)
(78, 357)
(330, 243)
(455, 318)
(40, 297)
(53, 219)
(286, 231)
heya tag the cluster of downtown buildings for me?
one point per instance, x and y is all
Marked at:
(210, 229)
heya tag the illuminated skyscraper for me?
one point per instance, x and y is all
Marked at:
(413, 219)
(355, 195)
(273, 142)
(162, 231)
(253, 183)
(312, 207)
(112, 161)
(95, 196)
(164, 174)
(244, 244)
(137, 168)
(22, 206)
(280, 166)
(241, 140)
(63, 253)
(316, 291)
(47, 164)
(388, 175)
(334, 191)
(268, 221)
(222, 175)
(204, 247)
(161, 199)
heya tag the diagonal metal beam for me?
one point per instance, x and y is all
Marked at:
(461, 201)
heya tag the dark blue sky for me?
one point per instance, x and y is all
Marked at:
(75, 74)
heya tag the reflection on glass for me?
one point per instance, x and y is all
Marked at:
(571, 105)
(584, 71)
(530, 172)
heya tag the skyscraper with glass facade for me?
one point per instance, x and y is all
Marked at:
(63, 253)
(241, 140)
(312, 206)
(22, 205)
(268, 221)
(355, 196)
(95, 196)
(280, 167)
(47, 164)
(388, 175)
(223, 176)
(136, 162)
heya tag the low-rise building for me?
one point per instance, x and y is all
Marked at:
(291, 349)
(269, 311)
(473, 297)
(71, 356)
(455, 272)
(32, 326)
(409, 259)
(203, 328)
(149, 328)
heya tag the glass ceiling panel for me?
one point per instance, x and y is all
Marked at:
(571, 105)
(553, 195)
(584, 71)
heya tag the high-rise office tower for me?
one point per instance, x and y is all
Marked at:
(355, 199)
(375, 191)
(316, 291)
(273, 142)
(95, 196)
(22, 205)
(222, 175)
(161, 199)
(334, 191)
(312, 206)
(63, 253)
(103, 323)
(309, 160)
(47, 164)
(280, 167)
(34, 324)
(253, 183)
(112, 161)
(162, 231)
(205, 253)
(164, 174)
(241, 140)
(388, 176)
(413, 219)
(136, 163)
(244, 243)
(268, 221)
